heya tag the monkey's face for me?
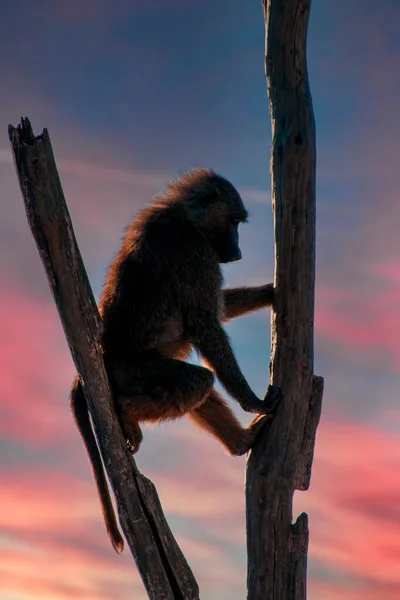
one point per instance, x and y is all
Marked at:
(214, 205)
(226, 243)
(222, 226)
(225, 213)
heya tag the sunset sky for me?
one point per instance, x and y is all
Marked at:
(132, 94)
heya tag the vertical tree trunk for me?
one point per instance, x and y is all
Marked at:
(281, 460)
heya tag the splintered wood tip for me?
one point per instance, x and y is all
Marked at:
(23, 133)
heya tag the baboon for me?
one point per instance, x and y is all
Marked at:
(162, 298)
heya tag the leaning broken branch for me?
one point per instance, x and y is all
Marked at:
(281, 460)
(162, 566)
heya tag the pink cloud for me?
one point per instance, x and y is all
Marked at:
(47, 508)
(54, 546)
(337, 590)
(353, 508)
(367, 324)
(354, 503)
(49, 516)
(36, 369)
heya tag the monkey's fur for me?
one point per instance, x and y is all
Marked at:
(161, 299)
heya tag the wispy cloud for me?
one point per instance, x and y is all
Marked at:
(101, 173)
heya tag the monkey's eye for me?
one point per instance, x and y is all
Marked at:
(235, 222)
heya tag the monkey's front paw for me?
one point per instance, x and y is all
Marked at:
(272, 398)
(256, 406)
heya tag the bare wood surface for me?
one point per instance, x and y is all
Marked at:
(162, 566)
(306, 455)
(281, 460)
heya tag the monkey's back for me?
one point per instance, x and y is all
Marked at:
(164, 268)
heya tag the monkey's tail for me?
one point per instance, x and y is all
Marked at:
(81, 416)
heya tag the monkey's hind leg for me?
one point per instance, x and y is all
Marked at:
(215, 417)
(157, 390)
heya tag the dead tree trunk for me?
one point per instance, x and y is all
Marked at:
(281, 461)
(161, 564)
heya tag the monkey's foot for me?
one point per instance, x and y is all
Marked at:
(250, 435)
(133, 435)
(133, 448)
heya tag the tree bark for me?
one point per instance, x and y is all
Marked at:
(162, 566)
(281, 460)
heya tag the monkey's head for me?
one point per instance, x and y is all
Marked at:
(214, 205)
